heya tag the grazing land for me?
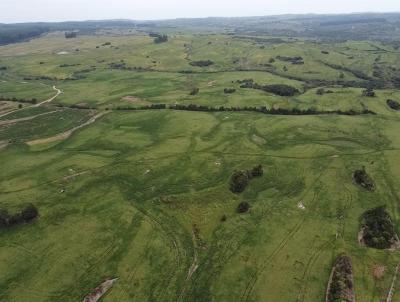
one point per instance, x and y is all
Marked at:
(129, 151)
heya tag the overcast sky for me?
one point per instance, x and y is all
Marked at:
(61, 10)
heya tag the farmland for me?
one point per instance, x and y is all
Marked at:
(142, 194)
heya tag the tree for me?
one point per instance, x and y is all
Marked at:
(29, 213)
(4, 218)
(194, 91)
(243, 207)
(257, 171)
(369, 92)
(239, 181)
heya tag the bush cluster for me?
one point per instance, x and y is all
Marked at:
(341, 287)
(363, 179)
(202, 63)
(377, 227)
(29, 213)
(393, 104)
(241, 178)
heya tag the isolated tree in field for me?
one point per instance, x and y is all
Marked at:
(4, 218)
(243, 207)
(194, 91)
(369, 92)
(257, 171)
(29, 213)
(239, 181)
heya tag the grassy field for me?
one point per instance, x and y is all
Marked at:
(140, 195)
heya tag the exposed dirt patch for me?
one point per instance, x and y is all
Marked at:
(135, 100)
(3, 144)
(96, 294)
(378, 271)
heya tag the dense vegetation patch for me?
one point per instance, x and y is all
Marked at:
(229, 90)
(369, 92)
(363, 179)
(70, 34)
(341, 287)
(278, 89)
(377, 230)
(29, 213)
(241, 178)
(159, 38)
(202, 63)
(393, 104)
(293, 60)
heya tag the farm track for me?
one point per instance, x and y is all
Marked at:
(36, 105)
(7, 122)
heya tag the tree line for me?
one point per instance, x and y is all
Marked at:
(262, 109)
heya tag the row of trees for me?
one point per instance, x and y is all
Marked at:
(263, 109)
(14, 99)
(29, 213)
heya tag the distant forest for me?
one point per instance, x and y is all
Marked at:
(367, 26)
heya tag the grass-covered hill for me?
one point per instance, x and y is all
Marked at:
(216, 164)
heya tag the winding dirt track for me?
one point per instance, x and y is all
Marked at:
(7, 122)
(66, 134)
(37, 105)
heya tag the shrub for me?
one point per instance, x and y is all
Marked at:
(70, 35)
(363, 179)
(29, 213)
(239, 181)
(257, 171)
(229, 90)
(159, 38)
(393, 104)
(369, 92)
(194, 91)
(320, 91)
(243, 207)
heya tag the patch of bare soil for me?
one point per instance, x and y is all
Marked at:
(3, 144)
(135, 100)
(378, 271)
(64, 135)
(96, 294)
